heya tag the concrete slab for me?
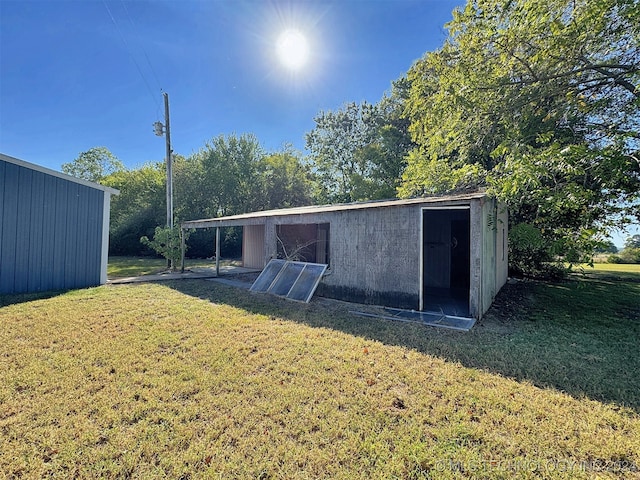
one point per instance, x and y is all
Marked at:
(198, 272)
(432, 319)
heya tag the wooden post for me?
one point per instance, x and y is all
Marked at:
(217, 251)
(182, 247)
(169, 164)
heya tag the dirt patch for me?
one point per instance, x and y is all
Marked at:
(244, 277)
(509, 309)
(514, 298)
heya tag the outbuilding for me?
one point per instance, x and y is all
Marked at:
(54, 229)
(446, 253)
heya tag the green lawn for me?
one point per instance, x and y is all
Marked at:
(615, 267)
(611, 271)
(136, 266)
(193, 379)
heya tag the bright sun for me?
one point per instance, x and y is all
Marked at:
(292, 49)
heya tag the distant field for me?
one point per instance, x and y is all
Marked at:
(614, 267)
(621, 271)
(193, 379)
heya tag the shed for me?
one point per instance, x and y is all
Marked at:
(54, 229)
(446, 253)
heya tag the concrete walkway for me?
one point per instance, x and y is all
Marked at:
(197, 272)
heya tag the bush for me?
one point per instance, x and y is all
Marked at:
(630, 255)
(167, 242)
(530, 254)
(614, 259)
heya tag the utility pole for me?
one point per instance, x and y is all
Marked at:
(167, 136)
(166, 130)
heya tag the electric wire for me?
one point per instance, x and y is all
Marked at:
(128, 47)
(135, 29)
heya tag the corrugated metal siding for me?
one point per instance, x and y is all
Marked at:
(50, 232)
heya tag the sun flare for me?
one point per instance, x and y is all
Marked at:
(292, 49)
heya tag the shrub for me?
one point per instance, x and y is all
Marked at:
(614, 259)
(630, 255)
(167, 242)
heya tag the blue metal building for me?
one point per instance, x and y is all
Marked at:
(54, 229)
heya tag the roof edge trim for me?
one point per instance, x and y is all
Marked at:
(64, 176)
(259, 216)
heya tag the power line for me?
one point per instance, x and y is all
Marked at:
(129, 50)
(135, 29)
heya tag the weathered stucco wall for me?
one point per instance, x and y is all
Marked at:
(502, 247)
(375, 256)
(376, 252)
(494, 252)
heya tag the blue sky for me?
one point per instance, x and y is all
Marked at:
(77, 74)
(80, 74)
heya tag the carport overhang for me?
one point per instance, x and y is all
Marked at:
(299, 215)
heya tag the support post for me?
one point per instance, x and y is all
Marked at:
(182, 250)
(167, 135)
(217, 251)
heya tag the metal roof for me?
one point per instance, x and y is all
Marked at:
(256, 218)
(53, 173)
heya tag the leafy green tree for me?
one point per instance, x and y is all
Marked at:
(631, 251)
(333, 144)
(190, 198)
(168, 243)
(632, 242)
(537, 101)
(357, 152)
(286, 180)
(140, 207)
(94, 165)
(231, 175)
(607, 247)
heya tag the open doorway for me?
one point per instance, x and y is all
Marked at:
(446, 264)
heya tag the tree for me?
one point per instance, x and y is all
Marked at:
(607, 246)
(357, 152)
(632, 242)
(538, 102)
(94, 165)
(232, 175)
(167, 242)
(286, 181)
(231, 169)
(140, 207)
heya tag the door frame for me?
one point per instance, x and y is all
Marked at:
(436, 208)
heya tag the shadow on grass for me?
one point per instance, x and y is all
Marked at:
(580, 337)
(14, 299)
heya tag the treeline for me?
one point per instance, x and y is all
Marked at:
(229, 175)
(357, 153)
(629, 254)
(535, 101)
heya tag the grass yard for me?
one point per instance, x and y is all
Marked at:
(193, 379)
(136, 266)
(616, 270)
